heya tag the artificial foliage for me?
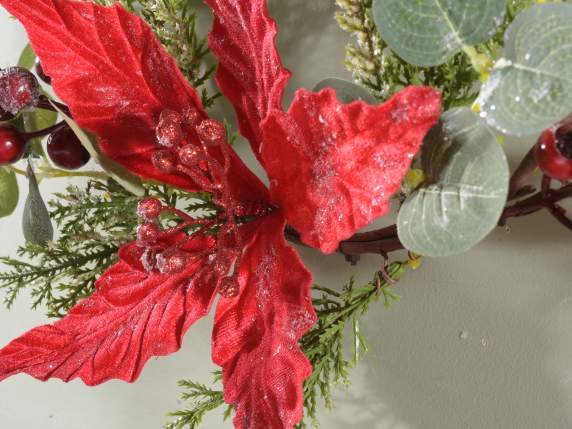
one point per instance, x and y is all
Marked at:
(172, 217)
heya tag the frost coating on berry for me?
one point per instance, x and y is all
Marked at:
(229, 287)
(148, 233)
(211, 132)
(19, 90)
(165, 161)
(149, 208)
(149, 260)
(172, 261)
(169, 132)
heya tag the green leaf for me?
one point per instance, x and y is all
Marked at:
(27, 58)
(38, 119)
(36, 221)
(346, 91)
(429, 32)
(126, 179)
(465, 191)
(9, 193)
(530, 88)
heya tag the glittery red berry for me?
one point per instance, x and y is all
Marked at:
(172, 261)
(211, 132)
(149, 259)
(148, 233)
(221, 264)
(191, 117)
(165, 161)
(229, 287)
(149, 208)
(40, 72)
(19, 90)
(169, 132)
(12, 145)
(554, 153)
(65, 150)
(190, 155)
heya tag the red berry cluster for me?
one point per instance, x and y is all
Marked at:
(20, 91)
(554, 152)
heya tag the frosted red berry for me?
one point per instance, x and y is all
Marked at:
(190, 155)
(211, 132)
(40, 72)
(149, 208)
(554, 153)
(172, 261)
(165, 161)
(148, 233)
(169, 132)
(229, 287)
(191, 117)
(221, 264)
(19, 90)
(12, 145)
(65, 150)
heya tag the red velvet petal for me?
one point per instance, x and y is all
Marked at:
(256, 335)
(250, 72)
(112, 71)
(334, 167)
(132, 316)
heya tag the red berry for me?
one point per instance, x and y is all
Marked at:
(19, 90)
(12, 145)
(191, 117)
(165, 161)
(211, 132)
(169, 132)
(148, 233)
(172, 261)
(190, 155)
(149, 208)
(65, 149)
(40, 72)
(229, 287)
(554, 154)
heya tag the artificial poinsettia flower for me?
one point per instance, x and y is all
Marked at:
(332, 168)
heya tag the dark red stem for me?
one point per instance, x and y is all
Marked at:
(45, 131)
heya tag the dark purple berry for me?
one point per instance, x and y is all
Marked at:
(65, 150)
(12, 145)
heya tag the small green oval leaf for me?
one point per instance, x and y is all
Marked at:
(27, 58)
(529, 89)
(36, 222)
(429, 32)
(122, 176)
(9, 193)
(346, 91)
(36, 120)
(469, 175)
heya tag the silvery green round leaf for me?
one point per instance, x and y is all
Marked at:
(36, 221)
(468, 179)
(9, 193)
(429, 32)
(346, 92)
(530, 87)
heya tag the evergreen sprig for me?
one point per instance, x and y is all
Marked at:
(324, 345)
(93, 223)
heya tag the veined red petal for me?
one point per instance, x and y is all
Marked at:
(256, 335)
(333, 168)
(132, 316)
(112, 71)
(250, 72)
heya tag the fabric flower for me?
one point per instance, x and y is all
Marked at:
(332, 169)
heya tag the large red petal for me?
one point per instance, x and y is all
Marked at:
(250, 73)
(112, 71)
(256, 336)
(333, 168)
(132, 316)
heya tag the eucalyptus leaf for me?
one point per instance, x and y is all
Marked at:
(346, 91)
(9, 193)
(530, 87)
(36, 221)
(126, 179)
(429, 32)
(465, 190)
(27, 58)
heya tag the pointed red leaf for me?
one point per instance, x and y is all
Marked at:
(112, 71)
(256, 335)
(333, 168)
(250, 73)
(132, 316)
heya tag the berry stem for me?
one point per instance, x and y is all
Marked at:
(45, 131)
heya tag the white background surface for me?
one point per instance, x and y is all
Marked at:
(481, 340)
